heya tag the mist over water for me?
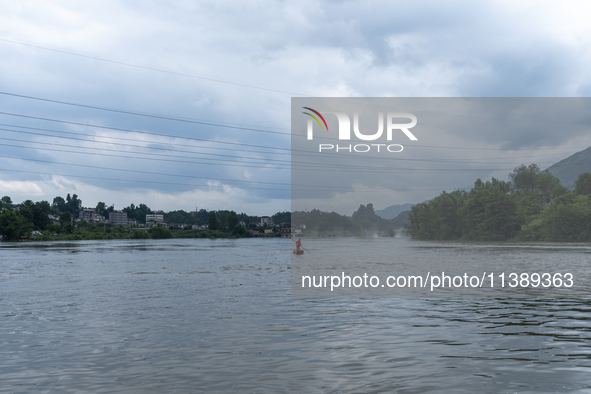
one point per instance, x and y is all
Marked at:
(217, 316)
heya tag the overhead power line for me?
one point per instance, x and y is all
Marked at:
(190, 184)
(153, 68)
(344, 99)
(136, 140)
(304, 152)
(141, 132)
(127, 155)
(307, 166)
(121, 111)
(215, 125)
(256, 159)
(380, 170)
(145, 172)
(298, 186)
(138, 181)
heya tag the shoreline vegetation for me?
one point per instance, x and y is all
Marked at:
(533, 206)
(109, 232)
(41, 221)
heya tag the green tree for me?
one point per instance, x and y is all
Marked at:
(232, 220)
(213, 222)
(282, 217)
(138, 234)
(160, 232)
(179, 216)
(438, 219)
(40, 211)
(363, 217)
(223, 222)
(74, 205)
(583, 184)
(239, 230)
(534, 207)
(529, 205)
(567, 218)
(489, 213)
(101, 207)
(12, 225)
(67, 228)
(142, 210)
(548, 186)
(59, 205)
(323, 228)
(65, 218)
(201, 217)
(418, 218)
(54, 228)
(447, 222)
(523, 177)
(138, 212)
(36, 213)
(6, 200)
(26, 210)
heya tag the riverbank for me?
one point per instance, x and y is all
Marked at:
(115, 233)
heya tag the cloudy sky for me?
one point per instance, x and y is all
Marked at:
(187, 104)
(453, 142)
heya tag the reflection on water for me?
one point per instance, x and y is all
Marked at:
(217, 316)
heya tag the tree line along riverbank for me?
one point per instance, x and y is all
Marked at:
(533, 206)
(60, 221)
(107, 232)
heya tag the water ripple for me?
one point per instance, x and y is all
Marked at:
(217, 316)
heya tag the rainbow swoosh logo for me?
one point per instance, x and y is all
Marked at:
(315, 118)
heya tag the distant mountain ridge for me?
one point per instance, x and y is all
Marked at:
(394, 210)
(569, 169)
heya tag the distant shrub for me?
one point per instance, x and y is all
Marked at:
(139, 234)
(160, 233)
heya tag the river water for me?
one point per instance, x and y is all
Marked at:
(195, 315)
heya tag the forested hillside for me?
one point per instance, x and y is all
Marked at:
(533, 206)
(569, 169)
